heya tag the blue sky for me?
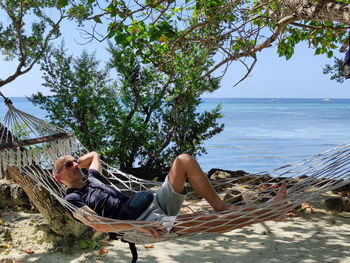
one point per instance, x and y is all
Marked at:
(275, 77)
(272, 77)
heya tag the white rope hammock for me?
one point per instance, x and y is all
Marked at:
(32, 145)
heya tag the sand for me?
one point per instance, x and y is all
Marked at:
(322, 236)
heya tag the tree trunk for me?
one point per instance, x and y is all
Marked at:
(59, 220)
(324, 10)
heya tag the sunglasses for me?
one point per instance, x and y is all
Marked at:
(68, 164)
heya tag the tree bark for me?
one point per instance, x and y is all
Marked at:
(171, 132)
(323, 11)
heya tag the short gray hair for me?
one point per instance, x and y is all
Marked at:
(55, 167)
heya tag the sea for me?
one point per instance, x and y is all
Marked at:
(264, 133)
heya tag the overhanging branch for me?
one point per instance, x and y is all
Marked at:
(324, 11)
(280, 25)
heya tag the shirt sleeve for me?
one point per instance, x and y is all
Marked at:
(95, 177)
(75, 199)
(95, 174)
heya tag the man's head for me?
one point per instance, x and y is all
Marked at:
(66, 169)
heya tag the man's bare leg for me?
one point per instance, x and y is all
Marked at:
(243, 216)
(185, 167)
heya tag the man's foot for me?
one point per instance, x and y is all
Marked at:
(281, 194)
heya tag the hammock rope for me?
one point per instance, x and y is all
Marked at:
(32, 145)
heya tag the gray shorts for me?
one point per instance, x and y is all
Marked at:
(165, 205)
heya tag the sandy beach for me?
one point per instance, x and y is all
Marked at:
(322, 236)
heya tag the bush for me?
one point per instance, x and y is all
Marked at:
(143, 118)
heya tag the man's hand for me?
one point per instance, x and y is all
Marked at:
(109, 225)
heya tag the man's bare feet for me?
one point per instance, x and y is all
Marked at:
(281, 194)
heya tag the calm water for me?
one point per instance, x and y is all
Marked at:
(261, 134)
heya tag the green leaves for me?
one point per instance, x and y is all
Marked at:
(93, 244)
(330, 54)
(157, 30)
(28, 27)
(98, 20)
(323, 39)
(83, 245)
(131, 120)
(62, 3)
(336, 71)
(286, 48)
(319, 51)
(234, 29)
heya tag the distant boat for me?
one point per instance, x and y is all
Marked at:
(274, 100)
(327, 101)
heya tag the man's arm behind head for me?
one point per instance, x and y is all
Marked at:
(90, 161)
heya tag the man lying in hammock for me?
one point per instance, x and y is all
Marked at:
(103, 202)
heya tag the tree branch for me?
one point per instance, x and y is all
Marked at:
(199, 25)
(328, 10)
(23, 58)
(280, 25)
(320, 27)
(149, 112)
(172, 130)
(249, 70)
(137, 97)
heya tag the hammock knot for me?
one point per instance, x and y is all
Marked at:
(6, 100)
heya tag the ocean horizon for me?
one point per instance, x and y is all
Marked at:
(266, 133)
(262, 133)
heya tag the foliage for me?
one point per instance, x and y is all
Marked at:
(336, 71)
(157, 30)
(235, 30)
(144, 118)
(28, 27)
(194, 129)
(92, 244)
(20, 131)
(79, 88)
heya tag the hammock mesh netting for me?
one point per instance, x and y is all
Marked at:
(32, 145)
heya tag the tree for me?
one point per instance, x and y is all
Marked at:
(146, 118)
(81, 95)
(26, 31)
(166, 107)
(336, 71)
(341, 67)
(234, 30)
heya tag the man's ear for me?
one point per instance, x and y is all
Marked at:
(57, 178)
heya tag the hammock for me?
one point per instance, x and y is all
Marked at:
(32, 145)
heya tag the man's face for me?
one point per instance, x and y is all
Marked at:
(68, 170)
